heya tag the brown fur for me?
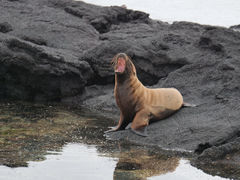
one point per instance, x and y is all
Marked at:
(139, 104)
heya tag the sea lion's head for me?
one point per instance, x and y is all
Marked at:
(123, 65)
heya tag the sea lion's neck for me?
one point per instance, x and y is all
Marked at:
(122, 78)
(127, 93)
(128, 81)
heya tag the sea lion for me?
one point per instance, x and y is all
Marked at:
(138, 104)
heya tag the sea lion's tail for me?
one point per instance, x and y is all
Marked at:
(185, 104)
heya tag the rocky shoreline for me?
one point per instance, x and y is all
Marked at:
(60, 51)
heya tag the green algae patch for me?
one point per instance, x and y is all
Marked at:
(28, 131)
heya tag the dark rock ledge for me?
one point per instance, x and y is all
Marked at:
(59, 50)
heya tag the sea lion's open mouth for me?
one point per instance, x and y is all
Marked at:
(121, 63)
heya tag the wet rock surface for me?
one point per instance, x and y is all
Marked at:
(61, 51)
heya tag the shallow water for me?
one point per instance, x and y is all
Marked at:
(213, 12)
(53, 142)
(85, 162)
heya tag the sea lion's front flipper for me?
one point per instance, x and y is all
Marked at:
(141, 131)
(112, 129)
(140, 122)
(122, 123)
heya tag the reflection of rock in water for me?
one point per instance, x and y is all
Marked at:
(140, 164)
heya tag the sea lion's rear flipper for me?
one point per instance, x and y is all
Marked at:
(141, 131)
(140, 122)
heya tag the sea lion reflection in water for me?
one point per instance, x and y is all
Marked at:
(138, 104)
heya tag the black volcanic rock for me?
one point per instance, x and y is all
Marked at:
(5, 27)
(60, 50)
(235, 28)
(32, 72)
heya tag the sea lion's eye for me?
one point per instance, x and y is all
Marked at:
(112, 62)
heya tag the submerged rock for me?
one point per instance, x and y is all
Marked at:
(61, 51)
